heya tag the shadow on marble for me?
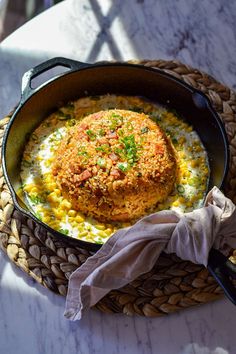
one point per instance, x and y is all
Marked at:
(11, 78)
(151, 30)
(25, 278)
(105, 36)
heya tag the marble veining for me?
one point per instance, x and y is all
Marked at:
(201, 34)
(32, 322)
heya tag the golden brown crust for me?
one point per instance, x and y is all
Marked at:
(115, 165)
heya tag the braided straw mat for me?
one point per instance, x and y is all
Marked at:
(172, 284)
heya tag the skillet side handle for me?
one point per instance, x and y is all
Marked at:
(27, 90)
(222, 270)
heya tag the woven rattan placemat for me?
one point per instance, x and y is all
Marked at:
(172, 284)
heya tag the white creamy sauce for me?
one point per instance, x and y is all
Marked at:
(189, 191)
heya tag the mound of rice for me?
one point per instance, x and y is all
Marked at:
(115, 165)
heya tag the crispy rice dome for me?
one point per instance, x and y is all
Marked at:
(115, 165)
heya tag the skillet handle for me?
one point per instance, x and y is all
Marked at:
(222, 269)
(27, 90)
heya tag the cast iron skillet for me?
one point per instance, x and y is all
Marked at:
(117, 78)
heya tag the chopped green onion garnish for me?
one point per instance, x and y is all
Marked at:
(82, 151)
(38, 216)
(120, 132)
(130, 148)
(101, 162)
(144, 130)
(123, 166)
(104, 148)
(101, 132)
(180, 189)
(91, 134)
(36, 199)
(64, 231)
(130, 126)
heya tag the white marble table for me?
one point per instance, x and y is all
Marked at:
(199, 33)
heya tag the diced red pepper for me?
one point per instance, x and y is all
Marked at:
(85, 175)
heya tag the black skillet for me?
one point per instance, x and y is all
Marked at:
(116, 78)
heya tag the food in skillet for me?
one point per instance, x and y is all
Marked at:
(53, 199)
(115, 165)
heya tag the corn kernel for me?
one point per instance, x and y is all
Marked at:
(79, 218)
(51, 186)
(46, 219)
(35, 190)
(58, 213)
(65, 204)
(194, 163)
(126, 224)
(29, 187)
(89, 239)
(102, 234)
(175, 203)
(71, 212)
(83, 233)
(52, 197)
(186, 174)
(100, 226)
(74, 224)
(181, 200)
(195, 198)
(80, 227)
(57, 192)
(54, 224)
(109, 231)
(181, 154)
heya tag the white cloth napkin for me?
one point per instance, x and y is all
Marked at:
(133, 251)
